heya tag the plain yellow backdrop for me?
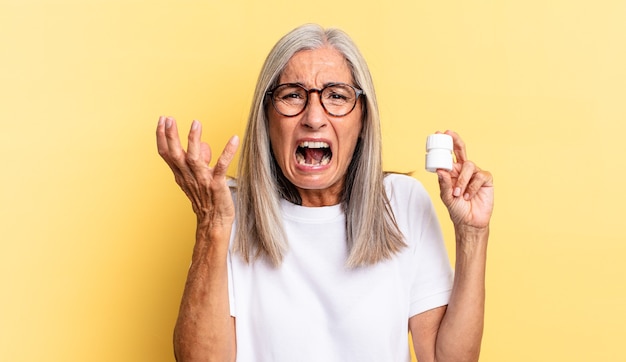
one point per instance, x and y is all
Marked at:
(95, 237)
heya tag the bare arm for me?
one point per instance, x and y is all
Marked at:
(454, 333)
(204, 331)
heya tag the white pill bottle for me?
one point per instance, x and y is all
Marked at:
(439, 152)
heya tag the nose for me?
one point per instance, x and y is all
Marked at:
(314, 116)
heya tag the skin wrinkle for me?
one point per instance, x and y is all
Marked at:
(205, 330)
(315, 69)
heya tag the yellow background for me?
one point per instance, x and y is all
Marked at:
(95, 237)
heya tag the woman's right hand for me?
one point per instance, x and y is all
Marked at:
(205, 186)
(205, 329)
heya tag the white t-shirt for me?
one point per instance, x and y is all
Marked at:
(312, 308)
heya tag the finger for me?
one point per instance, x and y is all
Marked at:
(161, 141)
(459, 146)
(197, 157)
(479, 180)
(205, 152)
(221, 167)
(163, 145)
(164, 149)
(445, 186)
(468, 169)
(176, 154)
(193, 142)
(176, 157)
(198, 152)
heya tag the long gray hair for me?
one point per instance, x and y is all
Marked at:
(372, 233)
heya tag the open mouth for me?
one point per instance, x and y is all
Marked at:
(311, 153)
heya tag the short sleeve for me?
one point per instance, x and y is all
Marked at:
(428, 271)
(432, 282)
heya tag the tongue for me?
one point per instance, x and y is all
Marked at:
(313, 154)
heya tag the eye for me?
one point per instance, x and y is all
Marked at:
(290, 93)
(337, 96)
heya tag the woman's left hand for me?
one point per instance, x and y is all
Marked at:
(466, 190)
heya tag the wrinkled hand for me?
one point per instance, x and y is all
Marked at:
(466, 190)
(205, 186)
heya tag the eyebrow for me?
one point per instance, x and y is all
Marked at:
(323, 85)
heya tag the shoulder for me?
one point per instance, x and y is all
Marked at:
(401, 186)
(410, 202)
(399, 178)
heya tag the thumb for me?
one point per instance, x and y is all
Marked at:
(205, 152)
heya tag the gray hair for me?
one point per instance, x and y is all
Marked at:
(371, 237)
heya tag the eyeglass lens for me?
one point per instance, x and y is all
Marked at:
(291, 99)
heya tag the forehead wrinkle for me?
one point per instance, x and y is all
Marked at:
(317, 70)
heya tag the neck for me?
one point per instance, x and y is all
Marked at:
(318, 198)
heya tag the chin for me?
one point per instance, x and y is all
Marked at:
(316, 183)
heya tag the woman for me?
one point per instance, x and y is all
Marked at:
(324, 258)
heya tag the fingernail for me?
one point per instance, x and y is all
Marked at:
(161, 120)
(466, 196)
(195, 125)
(168, 122)
(457, 191)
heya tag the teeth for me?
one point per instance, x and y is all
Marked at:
(313, 144)
(301, 161)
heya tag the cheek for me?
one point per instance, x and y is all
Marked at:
(355, 130)
(278, 140)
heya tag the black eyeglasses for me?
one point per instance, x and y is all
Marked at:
(291, 99)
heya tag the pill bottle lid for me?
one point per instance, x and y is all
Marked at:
(439, 140)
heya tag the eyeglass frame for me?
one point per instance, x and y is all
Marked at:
(358, 93)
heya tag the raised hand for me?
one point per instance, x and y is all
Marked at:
(205, 186)
(466, 190)
(204, 328)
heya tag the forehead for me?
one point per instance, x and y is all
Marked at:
(317, 67)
